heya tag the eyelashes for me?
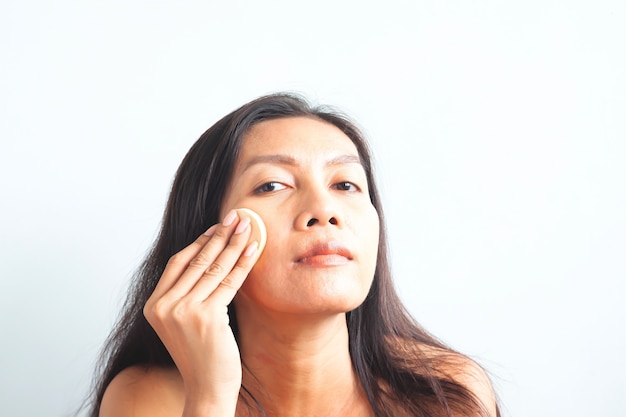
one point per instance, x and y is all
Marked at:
(272, 186)
(269, 187)
(346, 186)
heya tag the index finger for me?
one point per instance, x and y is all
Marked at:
(226, 289)
(177, 264)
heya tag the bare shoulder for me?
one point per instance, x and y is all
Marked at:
(144, 391)
(452, 366)
(466, 372)
(473, 377)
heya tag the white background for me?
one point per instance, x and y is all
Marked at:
(500, 139)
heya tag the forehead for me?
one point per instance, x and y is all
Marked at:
(303, 138)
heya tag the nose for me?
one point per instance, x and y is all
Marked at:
(318, 210)
(313, 221)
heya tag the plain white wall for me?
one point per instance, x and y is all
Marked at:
(499, 132)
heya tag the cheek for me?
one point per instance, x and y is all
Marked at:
(271, 267)
(273, 282)
(368, 229)
(371, 242)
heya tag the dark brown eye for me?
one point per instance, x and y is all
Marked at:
(268, 187)
(346, 186)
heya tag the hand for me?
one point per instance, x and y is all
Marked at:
(189, 311)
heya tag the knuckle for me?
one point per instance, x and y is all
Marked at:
(176, 259)
(234, 280)
(230, 282)
(147, 311)
(187, 314)
(213, 270)
(154, 310)
(221, 233)
(200, 261)
(180, 312)
(241, 268)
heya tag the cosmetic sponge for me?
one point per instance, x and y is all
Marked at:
(257, 226)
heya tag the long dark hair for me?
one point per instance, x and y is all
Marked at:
(386, 344)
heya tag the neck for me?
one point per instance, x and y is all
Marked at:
(299, 365)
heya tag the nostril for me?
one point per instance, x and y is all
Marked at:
(311, 222)
(332, 221)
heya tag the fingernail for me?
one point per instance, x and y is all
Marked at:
(210, 231)
(251, 249)
(243, 225)
(230, 218)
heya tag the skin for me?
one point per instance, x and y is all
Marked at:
(315, 174)
(291, 299)
(318, 263)
(308, 171)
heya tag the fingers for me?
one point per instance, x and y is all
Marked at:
(215, 258)
(188, 309)
(219, 259)
(180, 261)
(228, 269)
(227, 288)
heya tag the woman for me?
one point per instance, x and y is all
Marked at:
(310, 326)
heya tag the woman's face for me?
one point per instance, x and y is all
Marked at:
(304, 178)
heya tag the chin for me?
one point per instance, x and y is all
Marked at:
(335, 306)
(310, 303)
(317, 292)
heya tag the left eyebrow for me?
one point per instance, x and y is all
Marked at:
(344, 159)
(288, 160)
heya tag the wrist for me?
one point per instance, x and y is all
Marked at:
(203, 407)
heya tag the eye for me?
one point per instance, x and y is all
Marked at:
(346, 186)
(268, 187)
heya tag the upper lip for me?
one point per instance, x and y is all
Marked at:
(325, 248)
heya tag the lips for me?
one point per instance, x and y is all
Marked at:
(325, 254)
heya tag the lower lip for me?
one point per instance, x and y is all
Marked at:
(324, 260)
